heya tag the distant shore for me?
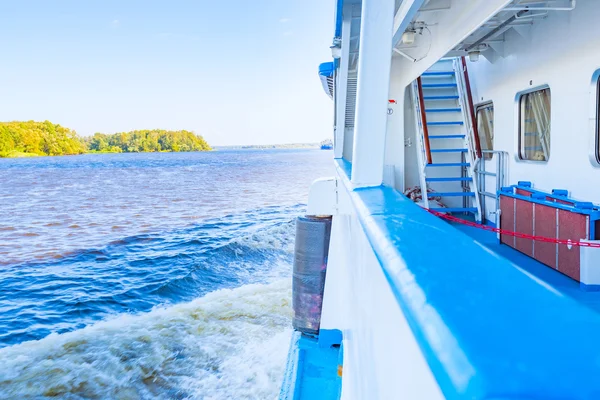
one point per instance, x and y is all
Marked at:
(20, 139)
(31, 138)
(270, 146)
(307, 146)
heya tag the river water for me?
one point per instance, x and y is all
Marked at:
(143, 276)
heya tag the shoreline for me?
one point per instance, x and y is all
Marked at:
(18, 154)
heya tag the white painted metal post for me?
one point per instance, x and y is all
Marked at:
(394, 140)
(374, 61)
(341, 88)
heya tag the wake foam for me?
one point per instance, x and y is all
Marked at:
(227, 344)
(278, 237)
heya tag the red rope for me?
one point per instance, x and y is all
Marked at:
(568, 242)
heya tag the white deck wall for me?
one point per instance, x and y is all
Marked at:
(381, 357)
(394, 139)
(561, 51)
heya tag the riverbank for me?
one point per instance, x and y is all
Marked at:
(19, 154)
(16, 154)
(32, 138)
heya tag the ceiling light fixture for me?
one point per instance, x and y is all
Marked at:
(408, 37)
(474, 55)
(336, 48)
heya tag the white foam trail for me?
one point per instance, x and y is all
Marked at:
(229, 344)
(279, 237)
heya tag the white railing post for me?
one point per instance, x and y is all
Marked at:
(374, 64)
(341, 87)
(421, 143)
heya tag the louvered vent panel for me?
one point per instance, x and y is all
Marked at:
(330, 86)
(351, 102)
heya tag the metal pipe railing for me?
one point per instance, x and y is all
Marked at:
(500, 174)
(470, 107)
(424, 122)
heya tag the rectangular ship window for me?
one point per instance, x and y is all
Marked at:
(534, 125)
(598, 122)
(485, 127)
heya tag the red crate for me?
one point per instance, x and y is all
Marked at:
(545, 226)
(526, 216)
(507, 219)
(524, 224)
(571, 226)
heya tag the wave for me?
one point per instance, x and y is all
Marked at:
(231, 343)
(60, 294)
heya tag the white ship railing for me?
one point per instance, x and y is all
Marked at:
(470, 135)
(421, 151)
(500, 175)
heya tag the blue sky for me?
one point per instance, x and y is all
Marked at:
(237, 71)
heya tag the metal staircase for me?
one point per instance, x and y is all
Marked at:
(446, 135)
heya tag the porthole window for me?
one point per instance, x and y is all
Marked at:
(534, 125)
(484, 114)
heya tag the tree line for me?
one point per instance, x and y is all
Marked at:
(48, 139)
(147, 141)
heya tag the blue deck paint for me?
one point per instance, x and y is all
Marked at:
(486, 328)
(444, 123)
(438, 85)
(330, 337)
(446, 137)
(437, 73)
(461, 164)
(449, 150)
(344, 167)
(443, 110)
(311, 372)
(451, 97)
(558, 281)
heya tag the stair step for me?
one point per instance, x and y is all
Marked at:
(446, 136)
(437, 73)
(449, 150)
(454, 209)
(441, 110)
(458, 164)
(450, 179)
(450, 194)
(444, 123)
(438, 85)
(450, 97)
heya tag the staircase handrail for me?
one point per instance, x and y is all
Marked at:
(472, 136)
(424, 121)
(462, 80)
(420, 125)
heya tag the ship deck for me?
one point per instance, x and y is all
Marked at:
(312, 371)
(543, 273)
(468, 306)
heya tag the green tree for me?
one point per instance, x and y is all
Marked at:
(46, 138)
(39, 138)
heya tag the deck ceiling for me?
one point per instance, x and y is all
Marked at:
(489, 38)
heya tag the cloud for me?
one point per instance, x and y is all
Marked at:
(284, 20)
(115, 23)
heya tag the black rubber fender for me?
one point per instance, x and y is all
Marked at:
(310, 269)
